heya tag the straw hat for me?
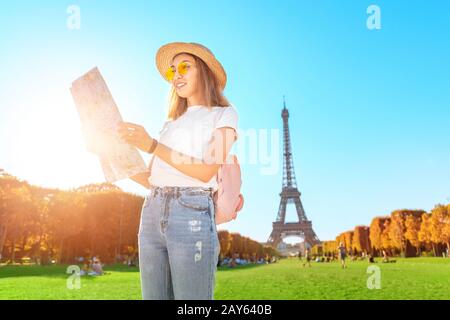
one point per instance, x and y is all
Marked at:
(166, 53)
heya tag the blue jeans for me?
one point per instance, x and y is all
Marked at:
(178, 244)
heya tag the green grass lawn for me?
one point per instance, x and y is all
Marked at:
(413, 278)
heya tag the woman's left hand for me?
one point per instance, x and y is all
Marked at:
(135, 135)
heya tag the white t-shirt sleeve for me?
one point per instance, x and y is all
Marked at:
(228, 118)
(163, 127)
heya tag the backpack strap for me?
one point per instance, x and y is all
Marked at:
(217, 119)
(218, 171)
(151, 164)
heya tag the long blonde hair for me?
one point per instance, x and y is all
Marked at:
(211, 91)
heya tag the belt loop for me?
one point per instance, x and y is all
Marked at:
(153, 191)
(159, 191)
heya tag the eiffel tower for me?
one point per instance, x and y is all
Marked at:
(290, 194)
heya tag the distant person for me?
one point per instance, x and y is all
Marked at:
(370, 258)
(307, 258)
(342, 255)
(97, 267)
(86, 269)
(131, 261)
(385, 257)
(226, 261)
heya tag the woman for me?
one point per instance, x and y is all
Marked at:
(308, 258)
(178, 242)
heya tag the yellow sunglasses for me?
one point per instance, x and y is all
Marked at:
(183, 68)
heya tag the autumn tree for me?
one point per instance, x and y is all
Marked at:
(225, 242)
(386, 243)
(412, 226)
(340, 239)
(361, 241)
(348, 239)
(329, 247)
(10, 206)
(375, 231)
(438, 229)
(446, 229)
(425, 232)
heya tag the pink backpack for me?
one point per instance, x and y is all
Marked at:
(228, 198)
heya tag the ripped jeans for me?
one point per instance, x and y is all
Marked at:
(178, 244)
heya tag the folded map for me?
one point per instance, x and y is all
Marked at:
(99, 117)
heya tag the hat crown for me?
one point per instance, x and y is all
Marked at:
(202, 46)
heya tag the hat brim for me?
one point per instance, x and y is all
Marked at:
(167, 52)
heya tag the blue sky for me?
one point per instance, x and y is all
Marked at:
(369, 109)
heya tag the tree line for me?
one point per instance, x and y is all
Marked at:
(246, 248)
(404, 232)
(45, 224)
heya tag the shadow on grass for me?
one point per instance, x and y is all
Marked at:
(60, 271)
(241, 267)
(55, 271)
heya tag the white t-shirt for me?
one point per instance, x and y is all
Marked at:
(190, 135)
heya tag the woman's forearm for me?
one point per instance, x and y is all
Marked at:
(193, 167)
